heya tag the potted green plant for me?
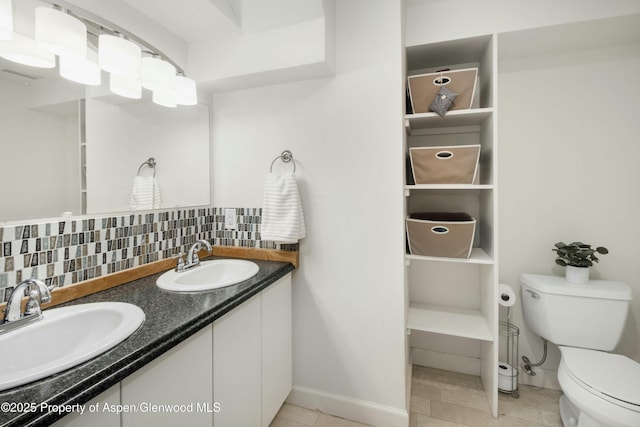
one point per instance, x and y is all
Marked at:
(577, 257)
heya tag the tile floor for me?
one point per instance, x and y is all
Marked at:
(294, 416)
(449, 399)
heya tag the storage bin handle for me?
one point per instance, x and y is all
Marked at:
(444, 155)
(439, 229)
(442, 80)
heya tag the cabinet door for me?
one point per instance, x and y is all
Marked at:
(276, 347)
(179, 383)
(101, 416)
(236, 366)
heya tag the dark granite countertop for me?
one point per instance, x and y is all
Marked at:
(171, 318)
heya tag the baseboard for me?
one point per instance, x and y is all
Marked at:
(409, 383)
(545, 378)
(447, 362)
(347, 407)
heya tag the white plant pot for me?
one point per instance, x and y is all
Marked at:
(578, 275)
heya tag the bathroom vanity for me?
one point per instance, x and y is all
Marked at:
(221, 356)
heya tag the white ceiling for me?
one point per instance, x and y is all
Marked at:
(200, 20)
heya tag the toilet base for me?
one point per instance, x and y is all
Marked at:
(568, 412)
(572, 417)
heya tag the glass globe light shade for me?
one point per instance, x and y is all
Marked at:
(165, 97)
(186, 93)
(24, 50)
(126, 86)
(6, 20)
(60, 33)
(81, 70)
(119, 56)
(157, 74)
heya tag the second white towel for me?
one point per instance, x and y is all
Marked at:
(145, 193)
(282, 216)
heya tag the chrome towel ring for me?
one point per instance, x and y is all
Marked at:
(286, 156)
(151, 163)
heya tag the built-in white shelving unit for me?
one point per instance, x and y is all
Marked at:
(454, 321)
(426, 123)
(82, 129)
(478, 256)
(452, 308)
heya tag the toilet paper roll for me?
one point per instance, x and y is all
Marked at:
(507, 377)
(506, 296)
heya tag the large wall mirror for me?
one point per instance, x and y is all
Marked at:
(70, 148)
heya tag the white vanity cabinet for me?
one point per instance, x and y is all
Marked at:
(174, 389)
(96, 418)
(236, 366)
(277, 353)
(234, 372)
(252, 361)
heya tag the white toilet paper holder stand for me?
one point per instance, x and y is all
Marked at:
(508, 356)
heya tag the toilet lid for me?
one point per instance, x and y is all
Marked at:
(613, 375)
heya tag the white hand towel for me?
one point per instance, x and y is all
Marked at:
(145, 193)
(282, 216)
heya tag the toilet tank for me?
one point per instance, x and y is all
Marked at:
(587, 316)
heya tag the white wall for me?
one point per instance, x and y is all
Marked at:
(568, 168)
(430, 21)
(255, 59)
(346, 137)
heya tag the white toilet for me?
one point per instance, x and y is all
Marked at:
(586, 321)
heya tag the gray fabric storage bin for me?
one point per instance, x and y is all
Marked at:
(441, 234)
(454, 164)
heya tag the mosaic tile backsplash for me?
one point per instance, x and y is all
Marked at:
(71, 250)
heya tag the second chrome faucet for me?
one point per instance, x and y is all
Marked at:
(192, 256)
(38, 293)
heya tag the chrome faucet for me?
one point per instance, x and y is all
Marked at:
(192, 256)
(38, 293)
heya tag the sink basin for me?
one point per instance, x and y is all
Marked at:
(209, 275)
(64, 338)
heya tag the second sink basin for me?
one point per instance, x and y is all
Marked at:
(65, 337)
(209, 275)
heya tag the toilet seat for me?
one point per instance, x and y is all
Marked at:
(612, 377)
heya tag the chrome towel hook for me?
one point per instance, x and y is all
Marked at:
(286, 156)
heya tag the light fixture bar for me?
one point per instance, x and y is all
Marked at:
(109, 26)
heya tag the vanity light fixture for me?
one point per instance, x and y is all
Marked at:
(60, 33)
(81, 70)
(6, 20)
(71, 33)
(24, 50)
